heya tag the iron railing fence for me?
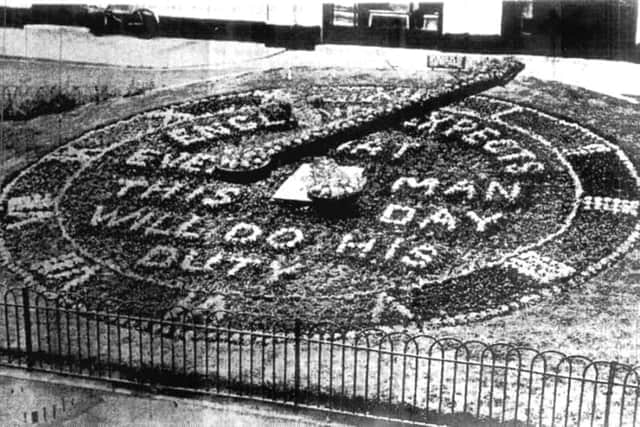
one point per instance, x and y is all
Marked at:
(396, 375)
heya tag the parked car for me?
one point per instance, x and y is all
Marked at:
(125, 19)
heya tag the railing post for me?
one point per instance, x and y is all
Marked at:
(296, 387)
(610, 380)
(26, 312)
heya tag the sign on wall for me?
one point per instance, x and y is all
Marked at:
(457, 62)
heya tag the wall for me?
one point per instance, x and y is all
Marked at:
(292, 12)
(244, 10)
(472, 16)
(478, 17)
(16, 3)
(275, 12)
(637, 25)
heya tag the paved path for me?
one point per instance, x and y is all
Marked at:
(614, 78)
(77, 44)
(38, 399)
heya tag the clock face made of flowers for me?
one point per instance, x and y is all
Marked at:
(467, 212)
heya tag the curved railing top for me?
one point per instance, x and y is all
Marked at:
(396, 342)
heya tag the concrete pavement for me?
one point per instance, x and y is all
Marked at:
(28, 398)
(77, 44)
(614, 78)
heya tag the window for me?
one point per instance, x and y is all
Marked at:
(527, 10)
(431, 22)
(526, 16)
(344, 15)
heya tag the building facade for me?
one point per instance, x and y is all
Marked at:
(591, 28)
(599, 28)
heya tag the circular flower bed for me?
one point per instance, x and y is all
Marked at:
(462, 213)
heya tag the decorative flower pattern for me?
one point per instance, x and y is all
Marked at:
(144, 206)
(243, 233)
(285, 238)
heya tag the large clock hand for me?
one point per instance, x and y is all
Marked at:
(482, 76)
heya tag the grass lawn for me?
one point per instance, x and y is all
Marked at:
(35, 73)
(32, 88)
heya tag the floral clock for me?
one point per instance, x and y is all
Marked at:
(464, 211)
